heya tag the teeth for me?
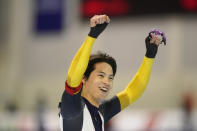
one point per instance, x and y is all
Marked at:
(103, 88)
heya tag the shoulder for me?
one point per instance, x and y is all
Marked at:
(71, 105)
(109, 108)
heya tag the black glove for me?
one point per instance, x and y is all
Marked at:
(151, 48)
(97, 30)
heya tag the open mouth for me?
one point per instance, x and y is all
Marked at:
(103, 89)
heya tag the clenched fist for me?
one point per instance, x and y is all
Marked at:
(98, 23)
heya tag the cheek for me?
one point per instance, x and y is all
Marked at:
(111, 85)
(97, 83)
(92, 84)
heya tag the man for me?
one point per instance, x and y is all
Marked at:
(90, 78)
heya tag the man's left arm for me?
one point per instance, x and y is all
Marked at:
(138, 84)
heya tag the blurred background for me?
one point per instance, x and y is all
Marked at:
(38, 39)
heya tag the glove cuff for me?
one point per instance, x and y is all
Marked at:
(151, 51)
(97, 30)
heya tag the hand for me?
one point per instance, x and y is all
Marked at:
(154, 39)
(98, 23)
(99, 19)
(158, 33)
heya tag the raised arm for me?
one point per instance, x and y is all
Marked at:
(71, 99)
(80, 61)
(139, 83)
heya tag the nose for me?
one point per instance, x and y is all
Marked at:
(106, 81)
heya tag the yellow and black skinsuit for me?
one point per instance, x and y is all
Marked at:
(72, 108)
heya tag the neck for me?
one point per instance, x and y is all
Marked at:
(90, 99)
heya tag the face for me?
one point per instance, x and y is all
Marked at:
(98, 85)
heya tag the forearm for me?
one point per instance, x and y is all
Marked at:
(137, 85)
(80, 63)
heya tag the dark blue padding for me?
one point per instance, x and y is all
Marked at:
(109, 108)
(71, 106)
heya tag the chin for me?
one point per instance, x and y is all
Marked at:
(102, 98)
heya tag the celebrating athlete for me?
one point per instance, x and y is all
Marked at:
(90, 77)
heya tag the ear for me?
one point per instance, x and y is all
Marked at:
(84, 80)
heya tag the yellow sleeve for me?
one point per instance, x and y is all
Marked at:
(137, 85)
(80, 63)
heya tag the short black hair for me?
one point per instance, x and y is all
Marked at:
(97, 58)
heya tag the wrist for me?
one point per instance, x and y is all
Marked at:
(97, 30)
(151, 51)
(93, 32)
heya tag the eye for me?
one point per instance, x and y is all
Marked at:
(101, 75)
(111, 78)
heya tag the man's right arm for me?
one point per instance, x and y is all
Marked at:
(71, 99)
(80, 61)
(78, 66)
